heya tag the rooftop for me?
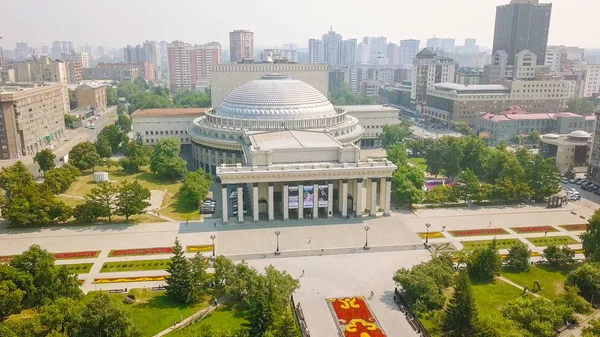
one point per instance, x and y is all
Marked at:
(280, 140)
(169, 112)
(367, 108)
(524, 116)
(475, 87)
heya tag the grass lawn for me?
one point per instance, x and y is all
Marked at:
(225, 319)
(153, 311)
(502, 243)
(551, 279)
(549, 240)
(138, 218)
(420, 163)
(79, 268)
(170, 206)
(491, 297)
(108, 267)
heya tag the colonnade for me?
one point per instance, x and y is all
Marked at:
(310, 199)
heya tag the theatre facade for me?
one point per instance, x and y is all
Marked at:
(290, 154)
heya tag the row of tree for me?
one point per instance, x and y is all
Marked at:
(264, 298)
(33, 280)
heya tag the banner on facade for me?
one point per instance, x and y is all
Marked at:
(323, 195)
(293, 197)
(309, 196)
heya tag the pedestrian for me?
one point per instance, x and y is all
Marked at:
(322, 251)
(302, 273)
(310, 239)
(187, 221)
(490, 225)
(215, 224)
(546, 233)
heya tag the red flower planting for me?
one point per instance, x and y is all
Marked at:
(141, 251)
(355, 318)
(534, 229)
(76, 255)
(578, 227)
(479, 232)
(5, 258)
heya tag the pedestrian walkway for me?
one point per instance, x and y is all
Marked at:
(505, 280)
(195, 318)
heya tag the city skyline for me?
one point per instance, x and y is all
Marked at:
(397, 22)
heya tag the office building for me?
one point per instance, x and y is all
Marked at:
(148, 52)
(522, 24)
(152, 125)
(434, 44)
(470, 46)
(91, 95)
(523, 67)
(7, 75)
(120, 72)
(505, 126)
(74, 72)
(31, 119)
(370, 88)
(594, 162)
(315, 51)
(451, 102)
(428, 69)
(332, 45)
(561, 58)
(189, 65)
(294, 152)
(61, 47)
(22, 51)
(570, 150)
(408, 50)
(393, 54)
(469, 76)
(45, 69)
(81, 57)
(241, 46)
(348, 53)
(447, 45)
(226, 77)
(372, 118)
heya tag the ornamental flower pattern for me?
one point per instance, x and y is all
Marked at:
(534, 229)
(354, 317)
(479, 232)
(141, 251)
(578, 227)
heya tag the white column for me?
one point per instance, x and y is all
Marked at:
(388, 196)
(369, 193)
(373, 210)
(300, 202)
(271, 203)
(358, 198)
(340, 195)
(255, 201)
(224, 157)
(224, 203)
(286, 203)
(330, 200)
(315, 201)
(240, 191)
(382, 194)
(344, 198)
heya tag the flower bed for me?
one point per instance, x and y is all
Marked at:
(5, 258)
(77, 255)
(141, 251)
(579, 251)
(501, 244)
(534, 229)
(552, 240)
(573, 228)
(129, 279)
(109, 267)
(200, 248)
(354, 317)
(432, 235)
(79, 268)
(479, 232)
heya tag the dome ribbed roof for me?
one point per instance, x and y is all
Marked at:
(276, 97)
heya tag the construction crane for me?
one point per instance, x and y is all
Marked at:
(291, 45)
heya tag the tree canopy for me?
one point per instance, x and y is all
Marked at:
(580, 106)
(460, 316)
(165, 160)
(195, 187)
(591, 238)
(84, 156)
(45, 159)
(396, 133)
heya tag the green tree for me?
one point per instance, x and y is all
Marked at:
(58, 180)
(533, 138)
(469, 186)
(587, 278)
(70, 121)
(15, 177)
(593, 328)
(286, 327)
(580, 106)
(195, 187)
(103, 315)
(474, 156)
(434, 157)
(569, 173)
(395, 133)
(124, 123)
(179, 284)
(121, 109)
(10, 299)
(199, 276)
(62, 316)
(591, 238)
(460, 315)
(136, 156)
(84, 156)
(90, 212)
(484, 263)
(103, 147)
(103, 196)
(165, 160)
(112, 98)
(114, 135)
(570, 298)
(224, 272)
(537, 315)
(439, 195)
(49, 282)
(559, 256)
(397, 154)
(464, 129)
(407, 185)
(191, 99)
(543, 177)
(35, 204)
(132, 198)
(452, 156)
(45, 159)
(518, 257)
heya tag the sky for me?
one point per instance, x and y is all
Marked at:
(117, 23)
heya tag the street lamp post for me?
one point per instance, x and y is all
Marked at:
(212, 237)
(277, 252)
(427, 234)
(366, 247)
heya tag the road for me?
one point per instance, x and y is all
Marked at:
(427, 132)
(75, 137)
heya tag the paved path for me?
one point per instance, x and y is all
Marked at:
(505, 280)
(202, 313)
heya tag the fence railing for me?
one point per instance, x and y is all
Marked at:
(299, 317)
(410, 315)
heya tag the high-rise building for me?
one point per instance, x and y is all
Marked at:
(393, 54)
(434, 44)
(315, 51)
(81, 57)
(189, 65)
(408, 51)
(561, 58)
(470, 47)
(241, 46)
(23, 51)
(45, 50)
(148, 52)
(332, 48)
(61, 47)
(44, 70)
(447, 45)
(522, 24)
(348, 53)
(377, 45)
(429, 68)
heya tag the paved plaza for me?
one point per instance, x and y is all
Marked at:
(329, 251)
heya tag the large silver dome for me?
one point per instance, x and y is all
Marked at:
(276, 97)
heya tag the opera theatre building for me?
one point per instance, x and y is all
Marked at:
(289, 154)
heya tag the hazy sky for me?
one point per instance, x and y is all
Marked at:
(116, 23)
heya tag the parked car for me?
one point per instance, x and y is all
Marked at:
(564, 180)
(578, 181)
(574, 197)
(571, 181)
(597, 192)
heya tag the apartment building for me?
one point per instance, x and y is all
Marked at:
(120, 72)
(241, 46)
(91, 95)
(190, 65)
(81, 57)
(154, 124)
(594, 162)
(428, 69)
(43, 70)
(31, 119)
